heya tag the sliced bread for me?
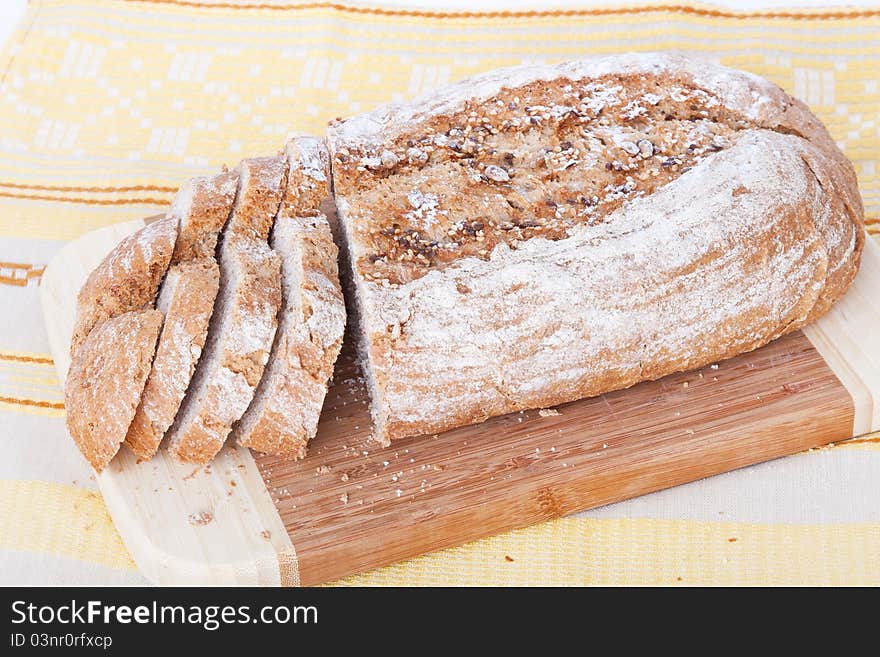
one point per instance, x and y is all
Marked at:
(244, 320)
(283, 415)
(202, 206)
(105, 382)
(127, 279)
(187, 301)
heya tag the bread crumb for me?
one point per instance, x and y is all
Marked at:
(508, 558)
(548, 412)
(344, 498)
(202, 518)
(266, 534)
(344, 476)
(322, 469)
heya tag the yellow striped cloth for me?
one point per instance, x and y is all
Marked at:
(105, 107)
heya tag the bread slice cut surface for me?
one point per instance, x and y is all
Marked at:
(244, 319)
(283, 415)
(187, 302)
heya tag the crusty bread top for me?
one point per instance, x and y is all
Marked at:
(309, 176)
(747, 246)
(756, 98)
(187, 301)
(533, 152)
(105, 382)
(202, 206)
(127, 279)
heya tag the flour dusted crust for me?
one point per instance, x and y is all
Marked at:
(244, 319)
(283, 415)
(126, 280)
(542, 234)
(105, 381)
(308, 182)
(187, 301)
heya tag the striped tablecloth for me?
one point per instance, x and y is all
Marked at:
(105, 107)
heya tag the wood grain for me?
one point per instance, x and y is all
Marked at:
(351, 505)
(846, 338)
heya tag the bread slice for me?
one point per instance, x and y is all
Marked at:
(187, 301)
(283, 415)
(127, 279)
(542, 234)
(105, 382)
(202, 207)
(244, 320)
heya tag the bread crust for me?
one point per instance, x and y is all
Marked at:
(105, 382)
(126, 280)
(244, 320)
(751, 242)
(187, 302)
(308, 182)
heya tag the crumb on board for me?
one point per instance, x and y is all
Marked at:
(344, 476)
(548, 412)
(202, 518)
(266, 534)
(322, 469)
(508, 558)
(344, 498)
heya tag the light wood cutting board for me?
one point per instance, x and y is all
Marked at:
(351, 505)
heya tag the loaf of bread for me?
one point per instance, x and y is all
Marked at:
(244, 319)
(522, 239)
(283, 416)
(542, 234)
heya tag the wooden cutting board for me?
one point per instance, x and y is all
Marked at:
(352, 505)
